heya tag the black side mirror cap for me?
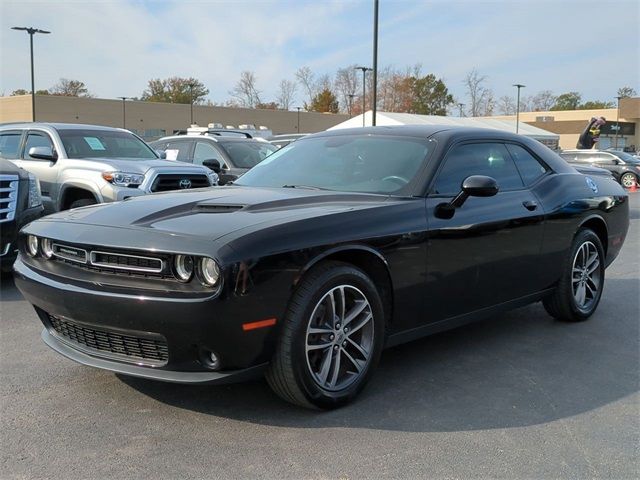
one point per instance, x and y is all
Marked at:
(473, 186)
(213, 164)
(43, 153)
(162, 154)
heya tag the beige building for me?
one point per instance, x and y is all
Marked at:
(153, 119)
(569, 124)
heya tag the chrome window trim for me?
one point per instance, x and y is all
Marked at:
(94, 263)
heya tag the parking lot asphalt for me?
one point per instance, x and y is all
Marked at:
(516, 396)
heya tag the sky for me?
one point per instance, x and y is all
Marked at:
(116, 46)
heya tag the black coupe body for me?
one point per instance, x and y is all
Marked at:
(332, 248)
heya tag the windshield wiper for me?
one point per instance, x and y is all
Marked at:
(307, 187)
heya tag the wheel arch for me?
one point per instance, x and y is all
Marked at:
(74, 191)
(367, 259)
(599, 226)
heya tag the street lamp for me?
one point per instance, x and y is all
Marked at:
(32, 31)
(298, 127)
(460, 106)
(374, 106)
(364, 89)
(191, 85)
(124, 113)
(519, 86)
(350, 95)
(617, 120)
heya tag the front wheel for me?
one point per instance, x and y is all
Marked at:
(331, 339)
(578, 292)
(628, 180)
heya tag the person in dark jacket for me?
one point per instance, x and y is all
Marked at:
(591, 134)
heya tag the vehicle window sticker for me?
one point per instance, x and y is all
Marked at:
(94, 143)
(172, 153)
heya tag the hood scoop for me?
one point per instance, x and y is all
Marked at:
(216, 208)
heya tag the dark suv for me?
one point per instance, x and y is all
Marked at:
(624, 167)
(229, 156)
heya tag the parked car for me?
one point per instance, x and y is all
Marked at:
(329, 250)
(226, 154)
(20, 203)
(624, 167)
(285, 139)
(79, 165)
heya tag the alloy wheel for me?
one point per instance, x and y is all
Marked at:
(628, 180)
(586, 276)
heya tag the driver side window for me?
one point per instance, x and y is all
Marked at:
(490, 159)
(36, 140)
(205, 151)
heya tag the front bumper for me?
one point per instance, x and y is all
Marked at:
(192, 326)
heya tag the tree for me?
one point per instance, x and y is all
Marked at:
(286, 93)
(543, 101)
(245, 90)
(70, 88)
(430, 95)
(626, 92)
(267, 106)
(20, 91)
(175, 90)
(306, 78)
(506, 105)
(567, 101)
(596, 105)
(481, 102)
(346, 84)
(324, 101)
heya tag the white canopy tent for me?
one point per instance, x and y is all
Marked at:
(392, 118)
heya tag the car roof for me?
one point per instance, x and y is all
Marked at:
(216, 139)
(60, 126)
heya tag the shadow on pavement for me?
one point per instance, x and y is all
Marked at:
(520, 369)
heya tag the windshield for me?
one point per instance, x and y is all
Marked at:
(94, 143)
(247, 154)
(626, 158)
(349, 163)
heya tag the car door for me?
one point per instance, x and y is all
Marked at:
(45, 170)
(485, 254)
(205, 150)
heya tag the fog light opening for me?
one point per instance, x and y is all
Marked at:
(210, 359)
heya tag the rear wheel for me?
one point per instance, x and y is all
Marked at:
(331, 338)
(580, 288)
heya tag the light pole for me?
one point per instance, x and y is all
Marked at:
(298, 127)
(364, 89)
(460, 106)
(374, 107)
(124, 113)
(519, 86)
(32, 31)
(617, 120)
(191, 85)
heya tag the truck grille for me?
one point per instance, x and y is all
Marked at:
(139, 349)
(8, 197)
(166, 182)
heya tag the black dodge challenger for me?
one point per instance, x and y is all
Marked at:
(331, 249)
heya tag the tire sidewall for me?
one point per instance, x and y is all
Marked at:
(628, 174)
(341, 275)
(583, 236)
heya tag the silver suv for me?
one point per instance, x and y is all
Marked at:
(81, 165)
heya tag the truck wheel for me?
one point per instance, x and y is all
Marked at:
(331, 338)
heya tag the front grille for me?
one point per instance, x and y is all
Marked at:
(138, 348)
(8, 197)
(166, 182)
(120, 261)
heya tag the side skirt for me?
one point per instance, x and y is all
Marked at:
(454, 322)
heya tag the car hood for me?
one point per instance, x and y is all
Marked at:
(142, 166)
(218, 211)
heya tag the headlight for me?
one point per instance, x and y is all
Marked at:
(184, 267)
(32, 245)
(123, 179)
(35, 200)
(47, 247)
(209, 272)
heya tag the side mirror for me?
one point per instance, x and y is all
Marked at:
(615, 161)
(43, 153)
(213, 164)
(162, 154)
(473, 186)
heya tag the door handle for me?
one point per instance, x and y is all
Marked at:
(530, 205)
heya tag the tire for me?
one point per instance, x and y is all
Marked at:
(82, 202)
(320, 363)
(578, 292)
(627, 180)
